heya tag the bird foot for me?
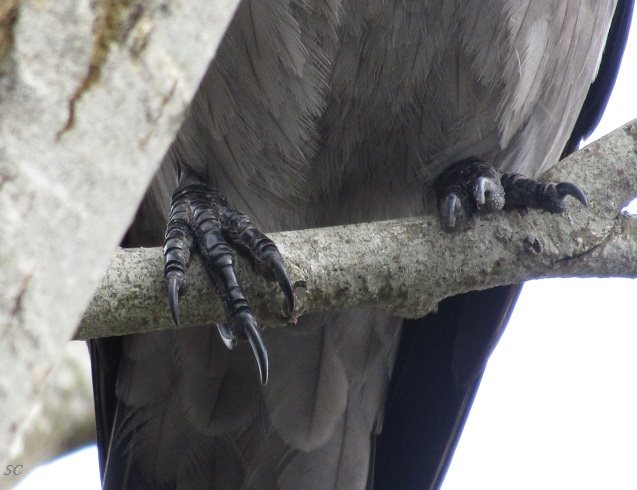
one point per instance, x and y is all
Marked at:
(201, 218)
(473, 186)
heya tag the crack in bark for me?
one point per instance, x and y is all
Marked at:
(110, 26)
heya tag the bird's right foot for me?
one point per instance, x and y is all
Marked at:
(201, 218)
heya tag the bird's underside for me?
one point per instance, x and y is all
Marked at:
(322, 113)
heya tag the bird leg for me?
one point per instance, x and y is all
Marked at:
(472, 186)
(200, 217)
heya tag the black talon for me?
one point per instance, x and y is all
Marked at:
(173, 299)
(249, 331)
(259, 350)
(570, 189)
(229, 340)
(281, 276)
(521, 191)
(178, 243)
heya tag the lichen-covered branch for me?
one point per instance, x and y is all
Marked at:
(405, 266)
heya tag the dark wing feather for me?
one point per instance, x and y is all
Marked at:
(434, 384)
(105, 355)
(601, 88)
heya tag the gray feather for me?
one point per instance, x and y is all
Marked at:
(312, 386)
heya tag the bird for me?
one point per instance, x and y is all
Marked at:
(324, 113)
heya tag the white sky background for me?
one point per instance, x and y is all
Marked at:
(557, 408)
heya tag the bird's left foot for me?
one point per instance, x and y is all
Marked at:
(473, 186)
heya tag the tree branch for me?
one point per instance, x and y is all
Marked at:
(405, 266)
(78, 78)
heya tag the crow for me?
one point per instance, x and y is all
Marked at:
(333, 112)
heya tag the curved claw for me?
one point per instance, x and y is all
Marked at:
(570, 189)
(228, 339)
(451, 204)
(486, 186)
(281, 276)
(480, 190)
(259, 350)
(173, 299)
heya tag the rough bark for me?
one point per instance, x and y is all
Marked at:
(405, 266)
(77, 79)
